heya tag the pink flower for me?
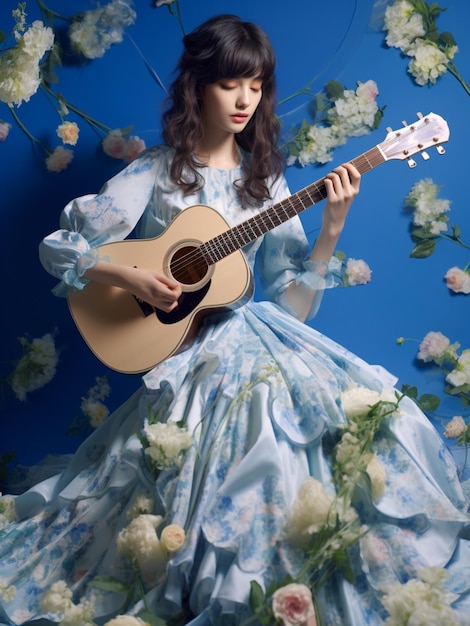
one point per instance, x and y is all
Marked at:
(293, 604)
(368, 91)
(458, 280)
(4, 130)
(68, 132)
(433, 346)
(357, 272)
(134, 146)
(115, 145)
(59, 160)
(455, 427)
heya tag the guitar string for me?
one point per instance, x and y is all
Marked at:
(254, 227)
(222, 245)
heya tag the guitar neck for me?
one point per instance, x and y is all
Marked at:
(235, 238)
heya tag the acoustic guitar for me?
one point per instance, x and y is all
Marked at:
(203, 253)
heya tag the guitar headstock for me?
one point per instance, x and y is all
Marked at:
(428, 131)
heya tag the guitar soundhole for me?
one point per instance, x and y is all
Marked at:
(188, 265)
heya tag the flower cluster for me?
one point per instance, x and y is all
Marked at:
(58, 600)
(430, 224)
(340, 113)
(93, 410)
(411, 27)
(20, 63)
(435, 348)
(422, 600)
(7, 510)
(93, 32)
(36, 367)
(28, 65)
(165, 443)
(325, 524)
(7, 592)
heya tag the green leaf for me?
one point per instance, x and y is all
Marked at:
(429, 402)
(2, 36)
(109, 583)
(410, 391)
(423, 250)
(456, 230)
(447, 39)
(334, 89)
(151, 618)
(257, 599)
(343, 562)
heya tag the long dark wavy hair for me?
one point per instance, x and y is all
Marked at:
(224, 47)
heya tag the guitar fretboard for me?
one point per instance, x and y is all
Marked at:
(242, 234)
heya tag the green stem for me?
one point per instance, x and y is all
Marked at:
(87, 118)
(456, 239)
(52, 14)
(453, 70)
(31, 137)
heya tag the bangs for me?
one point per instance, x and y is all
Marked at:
(245, 59)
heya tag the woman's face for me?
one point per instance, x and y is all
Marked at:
(229, 104)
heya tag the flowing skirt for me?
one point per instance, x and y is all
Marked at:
(260, 394)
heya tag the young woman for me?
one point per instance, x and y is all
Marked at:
(258, 395)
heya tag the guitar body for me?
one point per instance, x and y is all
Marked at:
(204, 256)
(130, 336)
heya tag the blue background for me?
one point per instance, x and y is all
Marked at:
(315, 42)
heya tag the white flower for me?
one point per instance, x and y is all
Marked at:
(57, 598)
(78, 614)
(357, 401)
(172, 538)
(455, 427)
(357, 272)
(377, 474)
(7, 592)
(420, 602)
(354, 112)
(7, 510)
(309, 512)
(19, 67)
(126, 620)
(142, 504)
(458, 280)
(37, 366)
(97, 30)
(293, 605)
(139, 540)
(322, 140)
(403, 24)
(167, 442)
(461, 374)
(428, 63)
(428, 209)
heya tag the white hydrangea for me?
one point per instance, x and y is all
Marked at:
(460, 375)
(357, 272)
(57, 598)
(428, 62)
(97, 30)
(167, 442)
(354, 113)
(428, 209)
(403, 24)
(37, 366)
(19, 67)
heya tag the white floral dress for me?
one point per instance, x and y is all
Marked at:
(260, 394)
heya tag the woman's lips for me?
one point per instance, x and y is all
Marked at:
(239, 118)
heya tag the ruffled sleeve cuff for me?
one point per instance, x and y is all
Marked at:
(316, 276)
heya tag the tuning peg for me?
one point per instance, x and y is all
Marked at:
(411, 163)
(404, 122)
(425, 155)
(440, 149)
(419, 115)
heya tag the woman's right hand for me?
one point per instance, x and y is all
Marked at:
(151, 286)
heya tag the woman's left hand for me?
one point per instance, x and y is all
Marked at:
(342, 186)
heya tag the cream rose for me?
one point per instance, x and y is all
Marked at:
(309, 512)
(172, 538)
